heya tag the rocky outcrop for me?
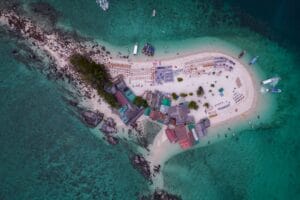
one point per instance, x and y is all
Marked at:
(112, 140)
(108, 126)
(163, 195)
(92, 118)
(160, 195)
(142, 165)
(73, 102)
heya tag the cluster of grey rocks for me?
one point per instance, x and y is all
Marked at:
(108, 127)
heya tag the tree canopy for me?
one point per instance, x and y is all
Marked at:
(96, 75)
(193, 105)
(140, 102)
(174, 96)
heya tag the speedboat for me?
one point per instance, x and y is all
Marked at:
(153, 13)
(253, 60)
(275, 90)
(242, 54)
(135, 49)
(271, 81)
(270, 90)
(103, 4)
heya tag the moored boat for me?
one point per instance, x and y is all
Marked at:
(135, 49)
(253, 60)
(275, 90)
(153, 13)
(271, 81)
(270, 90)
(242, 54)
(103, 4)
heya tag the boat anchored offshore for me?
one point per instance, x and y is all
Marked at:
(271, 81)
(269, 85)
(103, 4)
(242, 54)
(153, 13)
(253, 60)
(275, 90)
(270, 90)
(135, 49)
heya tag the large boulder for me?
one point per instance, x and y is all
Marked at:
(92, 118)
(108, 126)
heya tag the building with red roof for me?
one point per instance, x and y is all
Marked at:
(155, 115)
(171, 135)
(121, 98)
(185, 138)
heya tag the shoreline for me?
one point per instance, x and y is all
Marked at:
(60, 55)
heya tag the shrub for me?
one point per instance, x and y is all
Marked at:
(200, 91)
(96, 75)
(183, 94)
(193, 105)
(179, 79)
(174, 96)
(140, 102)
(206, 105)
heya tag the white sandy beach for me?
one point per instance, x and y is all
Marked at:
(223, 108)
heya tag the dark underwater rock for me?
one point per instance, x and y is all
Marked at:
(112, 140)
(73, 102)
(160, 195)
(163, 195)
(45, 10)
(142, 165)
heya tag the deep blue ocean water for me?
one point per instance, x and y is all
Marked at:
(47, 153)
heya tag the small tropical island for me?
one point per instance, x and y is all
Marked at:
(184, 97)
(208, 88)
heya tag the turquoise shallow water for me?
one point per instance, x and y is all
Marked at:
(46, 152)
(59, 158)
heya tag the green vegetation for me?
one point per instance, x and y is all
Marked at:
(206, 105)
(179, 79)
(96, 75)
(193, 105)
(174, 96)
(183, 94)
(140, 102)
(191, 94)
(200, 91)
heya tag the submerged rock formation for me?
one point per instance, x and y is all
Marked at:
(45, 10)
(160, 195)
(142, 165)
